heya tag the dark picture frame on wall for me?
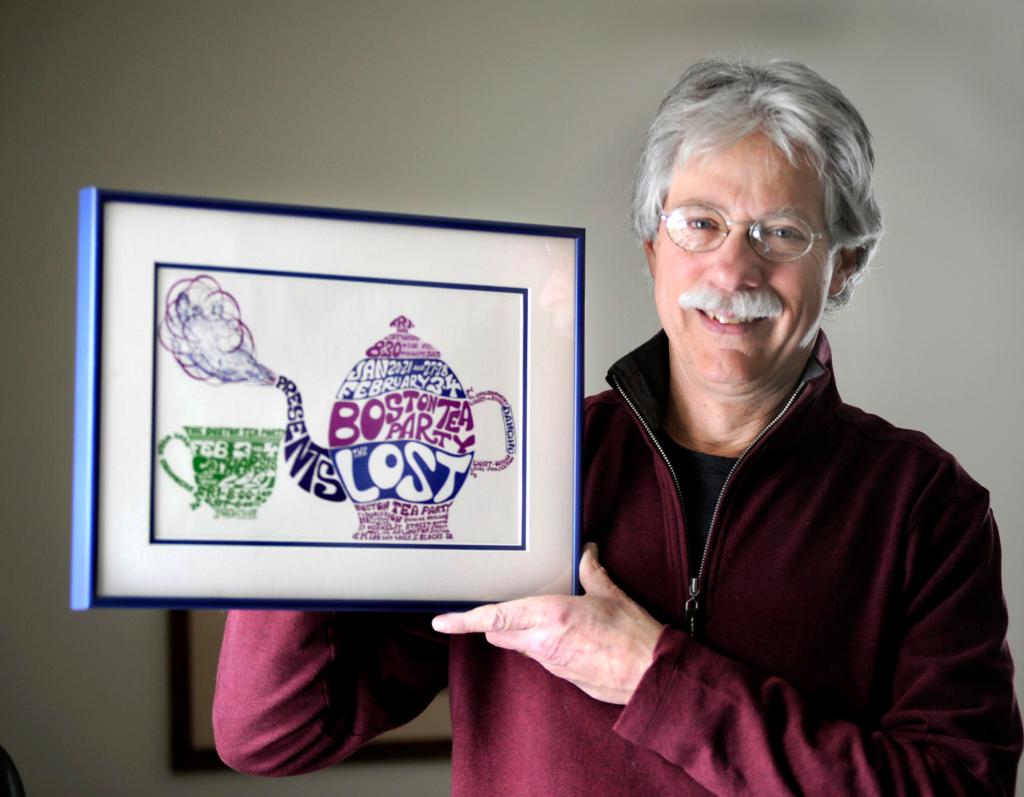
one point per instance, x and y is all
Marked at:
(194, 645)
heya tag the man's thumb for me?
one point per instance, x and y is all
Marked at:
(593, 578)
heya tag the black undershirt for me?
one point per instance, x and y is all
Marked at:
(701, 478)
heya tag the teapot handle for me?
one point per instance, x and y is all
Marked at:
(167, 466)
(510, 431)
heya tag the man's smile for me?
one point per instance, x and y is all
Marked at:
(730, 320)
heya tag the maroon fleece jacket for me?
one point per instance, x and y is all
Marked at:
(851, 635)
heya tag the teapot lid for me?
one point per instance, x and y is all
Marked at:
(402, 343)
(400, 361)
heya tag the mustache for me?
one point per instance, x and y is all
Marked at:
(757, 303)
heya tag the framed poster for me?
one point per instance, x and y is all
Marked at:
(300, 407)
(194, 647)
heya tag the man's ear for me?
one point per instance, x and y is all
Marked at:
(649, 254)
(846, 264)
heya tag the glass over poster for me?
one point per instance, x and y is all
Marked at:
(306, 407)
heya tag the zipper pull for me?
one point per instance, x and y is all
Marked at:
(692, 607)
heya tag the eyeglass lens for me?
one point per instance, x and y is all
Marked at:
(700, 229)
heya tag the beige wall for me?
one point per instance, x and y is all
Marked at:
(514, 111)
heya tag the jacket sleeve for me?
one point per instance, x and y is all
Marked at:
(952, 725)
(299, 691)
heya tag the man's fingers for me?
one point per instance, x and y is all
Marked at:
(482, 618)
(509, 640)
(507, 616)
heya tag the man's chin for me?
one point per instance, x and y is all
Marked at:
(738, 370)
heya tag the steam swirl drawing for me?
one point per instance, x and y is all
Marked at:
(203, 329)
(401, 434)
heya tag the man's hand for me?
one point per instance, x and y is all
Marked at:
(602, 642)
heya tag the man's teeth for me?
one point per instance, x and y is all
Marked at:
(724, 320)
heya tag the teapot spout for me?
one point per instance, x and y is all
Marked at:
(309, 464)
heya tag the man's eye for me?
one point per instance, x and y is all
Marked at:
(784, 233)
(702, 225)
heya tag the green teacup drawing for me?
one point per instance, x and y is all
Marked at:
(234, 469)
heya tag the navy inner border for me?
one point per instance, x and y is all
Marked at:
(158, 303)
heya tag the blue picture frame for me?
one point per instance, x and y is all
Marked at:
(168, 288)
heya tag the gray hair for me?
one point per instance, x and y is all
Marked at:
(719, 101)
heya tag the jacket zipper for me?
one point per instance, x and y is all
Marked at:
(691, 609)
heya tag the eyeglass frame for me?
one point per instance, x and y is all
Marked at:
(750, 236)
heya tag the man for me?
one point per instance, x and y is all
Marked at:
(794, 597)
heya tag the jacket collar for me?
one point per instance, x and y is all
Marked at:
(643, 375)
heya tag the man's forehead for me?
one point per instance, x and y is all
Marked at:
(751, 171)
(783, 153)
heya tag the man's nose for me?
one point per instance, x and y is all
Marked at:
(735, 265)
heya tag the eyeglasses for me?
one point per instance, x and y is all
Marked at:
(780, 237)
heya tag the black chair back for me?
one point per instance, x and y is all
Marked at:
(10, 781)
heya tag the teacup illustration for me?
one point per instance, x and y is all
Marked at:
(234, 469)
(401, 437)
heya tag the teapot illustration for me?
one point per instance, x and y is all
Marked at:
(401, 440)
